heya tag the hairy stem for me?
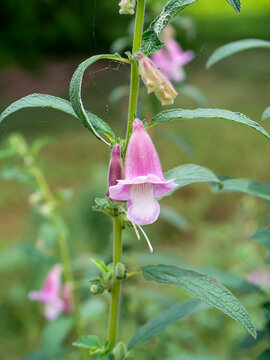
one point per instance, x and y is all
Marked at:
(134, 84)
(115, 300)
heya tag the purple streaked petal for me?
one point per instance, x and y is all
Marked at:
(120, 192)
(143, 209)
(164, 188)
(141, 157)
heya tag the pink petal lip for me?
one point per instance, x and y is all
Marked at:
(121, 191)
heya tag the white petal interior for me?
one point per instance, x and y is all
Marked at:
(143, 209)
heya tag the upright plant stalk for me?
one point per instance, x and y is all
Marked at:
(115, 301)
(117, 244)
(63, 249)
(134, 84)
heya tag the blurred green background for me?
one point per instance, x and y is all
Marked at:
(42, 43)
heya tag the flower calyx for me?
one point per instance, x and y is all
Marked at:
(119, 352)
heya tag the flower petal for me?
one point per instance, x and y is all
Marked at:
(54, 309)
(143, 209)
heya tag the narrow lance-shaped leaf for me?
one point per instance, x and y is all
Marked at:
(150, 41)
(201, 113)
(205, 288)
(49, 101)
(236, 5)
(164, 319)
(262, 237)
(188, 174)
(245, 186)
(235, 47)
(266, 113)
(231, 281)
(75, 89)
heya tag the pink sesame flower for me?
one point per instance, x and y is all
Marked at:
(144, 180)
(171, 59)
(50, 294)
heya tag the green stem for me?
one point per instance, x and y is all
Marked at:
(133, 98)
(134, 84)
(116, 287)
(63, 248)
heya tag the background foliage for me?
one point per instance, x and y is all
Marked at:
(52, 37)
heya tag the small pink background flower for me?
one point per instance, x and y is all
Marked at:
(50, 294)
(171, 59)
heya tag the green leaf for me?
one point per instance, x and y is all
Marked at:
(87, 342)
(201, 113)
(43, 100)
(188, 174)
(6, 153)
(236, 5)
(174, 218)
(235, 47)
(164, 319)
(88, 119)
(231, 281)
(150, 40)
(262, 237)
(101, 266)
(15, 172)
(55, 333)
(205, 288)
(266, 113)
(245, 186)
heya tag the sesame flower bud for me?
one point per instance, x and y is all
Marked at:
(155, 80)
(115, 167)
(127, 7)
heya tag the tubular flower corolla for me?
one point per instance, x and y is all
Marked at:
(144, 180)
(115, 167)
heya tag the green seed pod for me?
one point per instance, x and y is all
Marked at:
(120, 271)
(120, 351)
(96, 289)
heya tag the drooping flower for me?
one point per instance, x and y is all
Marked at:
(115, 167)
(171, 58)
(144, 180)
(155, 80)
(127, 7)
(50, 294)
